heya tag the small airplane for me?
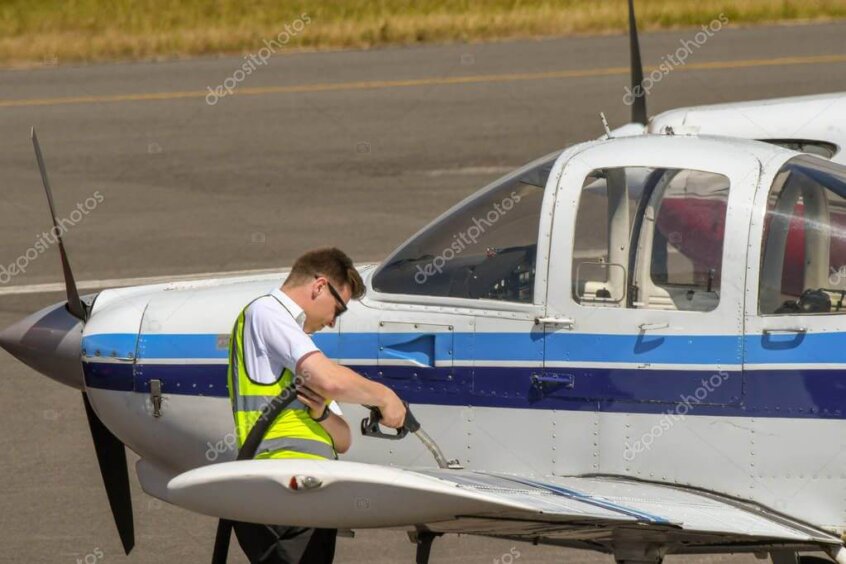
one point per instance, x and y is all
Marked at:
(632, 345)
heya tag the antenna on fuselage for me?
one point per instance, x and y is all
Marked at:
(638, 93)
(605, 124)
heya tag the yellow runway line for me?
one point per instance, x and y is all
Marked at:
(433, 81)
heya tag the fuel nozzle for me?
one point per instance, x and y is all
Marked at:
(370, 428)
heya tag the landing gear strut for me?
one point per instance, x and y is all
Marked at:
(423, 540)
(638, 553)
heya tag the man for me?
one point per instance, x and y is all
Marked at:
(270, 344)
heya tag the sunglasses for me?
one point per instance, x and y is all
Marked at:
(342, 307)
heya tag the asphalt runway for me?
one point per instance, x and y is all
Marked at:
(355, 149)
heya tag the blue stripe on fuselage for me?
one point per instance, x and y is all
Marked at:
(828, 348)
(803, 392)
(577, 347)
(811, 394)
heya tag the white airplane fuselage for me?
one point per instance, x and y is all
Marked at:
(709, 400)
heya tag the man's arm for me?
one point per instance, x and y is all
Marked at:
(331, 380)
(334, 424)
(339, 431)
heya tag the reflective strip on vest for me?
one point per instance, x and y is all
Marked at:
(258, 403)
(294, 433)
(304, 446)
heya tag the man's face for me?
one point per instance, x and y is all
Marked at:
(324, 307)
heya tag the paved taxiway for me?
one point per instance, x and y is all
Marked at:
(306, 155)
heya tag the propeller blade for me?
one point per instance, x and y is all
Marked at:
(639, 104)
(74, 303)
(111, 456)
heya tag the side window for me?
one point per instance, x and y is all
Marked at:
(650, 238)
(604, 221)
(685, 218)
(483, 249)
(803, 265)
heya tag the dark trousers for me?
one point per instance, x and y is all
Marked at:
(278, 544)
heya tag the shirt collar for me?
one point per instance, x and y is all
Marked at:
(296, 311)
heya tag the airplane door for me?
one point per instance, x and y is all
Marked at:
(796, 298)
(645, 294)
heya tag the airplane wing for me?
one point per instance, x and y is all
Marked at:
(596, 512)
(814, 124)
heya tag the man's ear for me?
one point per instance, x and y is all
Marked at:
(315, 291)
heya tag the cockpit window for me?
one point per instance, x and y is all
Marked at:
(820, 148)
(803, 266)
(483, 249)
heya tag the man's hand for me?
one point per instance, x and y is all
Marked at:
(332, 380)
(315, 402)
(393, 411)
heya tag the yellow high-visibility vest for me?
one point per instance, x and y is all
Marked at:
(294, 434)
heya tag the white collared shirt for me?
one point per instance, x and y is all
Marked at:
(274, 338)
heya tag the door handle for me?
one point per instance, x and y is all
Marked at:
(783, 330)
(565, 380)
(565, 322)
(653, 326)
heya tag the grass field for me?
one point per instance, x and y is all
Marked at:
(56, 31)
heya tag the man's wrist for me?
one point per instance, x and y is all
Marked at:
(323, 416)
(387, 396)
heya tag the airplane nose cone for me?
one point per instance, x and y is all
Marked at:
(49, 341)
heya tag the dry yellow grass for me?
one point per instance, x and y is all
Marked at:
(56, 31)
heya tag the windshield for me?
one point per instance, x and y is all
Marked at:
(483, 249)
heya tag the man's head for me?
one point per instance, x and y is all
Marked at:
(322, 281)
